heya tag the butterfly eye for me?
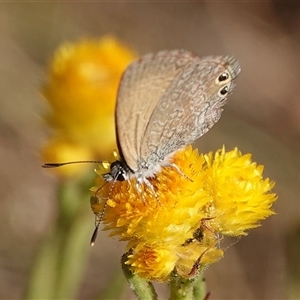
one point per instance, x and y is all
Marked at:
(224, 76)
(223, 91)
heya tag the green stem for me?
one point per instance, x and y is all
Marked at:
(74, 223)
(59, 265)
(187, 289)
(200, 288)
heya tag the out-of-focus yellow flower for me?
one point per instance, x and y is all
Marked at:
(81, 88)
(181, 227)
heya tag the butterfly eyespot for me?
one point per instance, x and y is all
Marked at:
(223, 91)
(224, 76)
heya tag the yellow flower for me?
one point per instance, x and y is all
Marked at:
(158, 261)
(81, 88)
(180, 227)
(238, 190)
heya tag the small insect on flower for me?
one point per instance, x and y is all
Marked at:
(165, 102)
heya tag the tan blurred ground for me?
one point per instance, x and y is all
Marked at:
(263, 117)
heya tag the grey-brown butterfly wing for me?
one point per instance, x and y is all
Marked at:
(141, 88)
(189, 107)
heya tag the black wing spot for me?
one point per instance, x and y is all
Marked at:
(224, 76)
(224, 90)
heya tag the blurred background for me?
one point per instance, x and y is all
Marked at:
(262, 117)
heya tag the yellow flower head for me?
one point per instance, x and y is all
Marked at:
(81, 88)
(238, 189)
(180, 227)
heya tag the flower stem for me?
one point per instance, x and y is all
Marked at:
(187, 289)
(63, 255)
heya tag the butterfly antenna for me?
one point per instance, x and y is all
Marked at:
(56, 165)
(95, 234)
